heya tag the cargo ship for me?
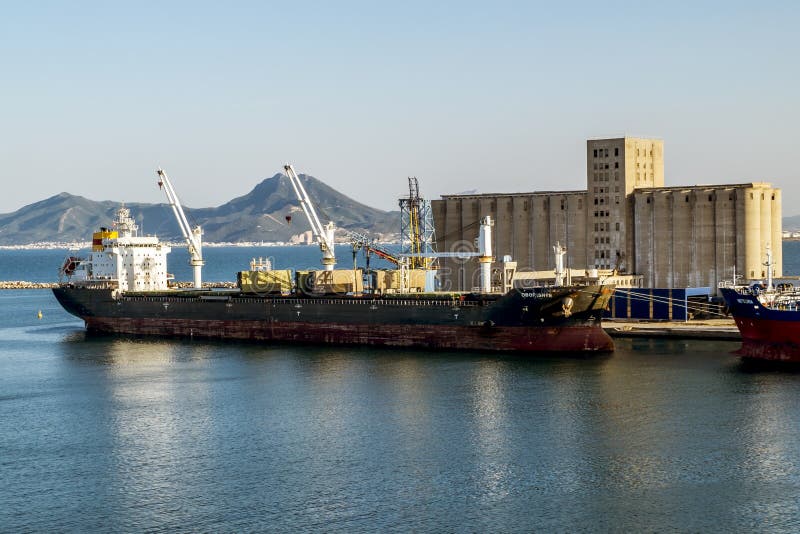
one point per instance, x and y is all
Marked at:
(768, 319)
(123, 287)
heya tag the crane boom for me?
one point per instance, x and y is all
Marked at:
(192, 235)
(322, 234)
(361, 241)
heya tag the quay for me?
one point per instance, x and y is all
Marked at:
(723, 329)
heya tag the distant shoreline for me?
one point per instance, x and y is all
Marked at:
(244, 244)
(21, 284)
(86, 244)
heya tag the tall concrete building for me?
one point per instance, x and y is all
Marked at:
(625, 221)
(614, 169)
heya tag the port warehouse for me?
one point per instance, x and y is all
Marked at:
(680, 304)
(626, 222)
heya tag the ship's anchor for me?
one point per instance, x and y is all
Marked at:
(566, 306)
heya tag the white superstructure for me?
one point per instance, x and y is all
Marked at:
(123, 259)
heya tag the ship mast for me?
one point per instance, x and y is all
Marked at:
(192, 235)
(768, 264)
(322, 234)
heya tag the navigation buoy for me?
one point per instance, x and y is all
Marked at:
(39, 315)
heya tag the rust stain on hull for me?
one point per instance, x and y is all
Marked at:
(572, 338)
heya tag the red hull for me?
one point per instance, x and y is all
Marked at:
(767, 339)
(573, 338)
(769, 330)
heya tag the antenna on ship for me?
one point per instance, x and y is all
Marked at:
(768, 265)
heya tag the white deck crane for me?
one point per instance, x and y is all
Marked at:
(322, 234)
(192, 235)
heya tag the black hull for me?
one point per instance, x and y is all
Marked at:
(542, 320)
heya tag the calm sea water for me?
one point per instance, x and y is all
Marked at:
(104, 433)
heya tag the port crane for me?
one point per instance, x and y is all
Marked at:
(324, 235)
(362, 241)
(192, 235)
(417, 237)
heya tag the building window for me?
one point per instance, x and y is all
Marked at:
(606, 152)
(616, 164)
(595, 152)
(616, 151)
(617, 227)
(687, 198)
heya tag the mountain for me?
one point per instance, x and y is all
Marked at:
(260, 215)
(791, 223)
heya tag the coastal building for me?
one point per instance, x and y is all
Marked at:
(625, 222)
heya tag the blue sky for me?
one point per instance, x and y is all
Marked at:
(498, 97)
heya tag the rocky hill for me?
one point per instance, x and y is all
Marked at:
(791, 223)
(260, 215)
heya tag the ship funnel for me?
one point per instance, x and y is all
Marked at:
(560, 272)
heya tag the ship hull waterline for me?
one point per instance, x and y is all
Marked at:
(426, 325)
(574, 338)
